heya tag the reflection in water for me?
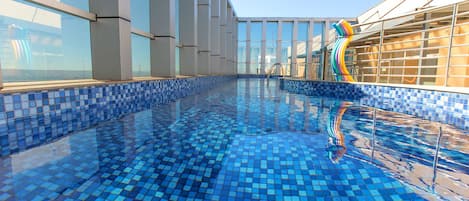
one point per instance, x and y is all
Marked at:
(414, 151)
(336, 147)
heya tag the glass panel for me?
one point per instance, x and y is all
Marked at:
(140, 56)
(287, 31)
(287, 36)
(255, 66)
(271, 47)
(271, 31)
(256, 31)
(256, 37)
(317, 54)
(178, 65)
(242, 57)
(301, 50)
(140, 14)
(303, 31)
(242, 31)
(241, 68)
(242, 52)
(42, 44)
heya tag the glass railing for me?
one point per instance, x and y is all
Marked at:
(38, 43)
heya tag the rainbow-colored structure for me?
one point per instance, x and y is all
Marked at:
(344, 31)
(19, 40)
(336, 146)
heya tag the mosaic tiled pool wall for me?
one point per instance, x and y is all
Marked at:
(446, 107)
(32, 118)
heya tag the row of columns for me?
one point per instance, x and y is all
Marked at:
(207, 38)
(294, 38)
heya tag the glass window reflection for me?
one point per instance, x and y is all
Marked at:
(286, 48)
(140, 14)
(140, 56)
(42, 44)
(301, 50)
(271, 47)
(256, 38)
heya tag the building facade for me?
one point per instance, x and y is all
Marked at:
(395, 42)
(284, 46)
(116, 39)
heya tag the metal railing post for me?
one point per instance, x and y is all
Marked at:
(423, 44)
(373, 132)
(435, 157)
(380, 49)
(450, 42)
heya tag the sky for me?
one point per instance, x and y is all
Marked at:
(302, 8)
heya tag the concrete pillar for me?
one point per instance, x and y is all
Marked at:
(294, 65)
(223, 35)
(229, 41)
(163, 48)
(235, 40)
(110, 40)
(215, 37)
(203, 36)
(188, 37)
(263, 46)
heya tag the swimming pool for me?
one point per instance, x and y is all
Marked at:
(247, 140)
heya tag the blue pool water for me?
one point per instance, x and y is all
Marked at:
(247, 140)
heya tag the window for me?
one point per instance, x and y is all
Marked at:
(42, 44)
(140, 19)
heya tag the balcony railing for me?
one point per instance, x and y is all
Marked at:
(426, 47)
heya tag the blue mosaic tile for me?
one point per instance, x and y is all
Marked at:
(446, 107)
(33, 118)
(244, 140)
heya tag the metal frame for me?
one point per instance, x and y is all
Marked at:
(143, 33)
(450, 42)
(374, 49)
(59, 6)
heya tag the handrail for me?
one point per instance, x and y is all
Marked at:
(143, 33)
(425, 10)
(59, 6)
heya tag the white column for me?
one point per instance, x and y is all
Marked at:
(263, 46)
(215, 37)
(204, 22)
(110, 40)
(223, 35)
(163, 48)
(188, 37)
